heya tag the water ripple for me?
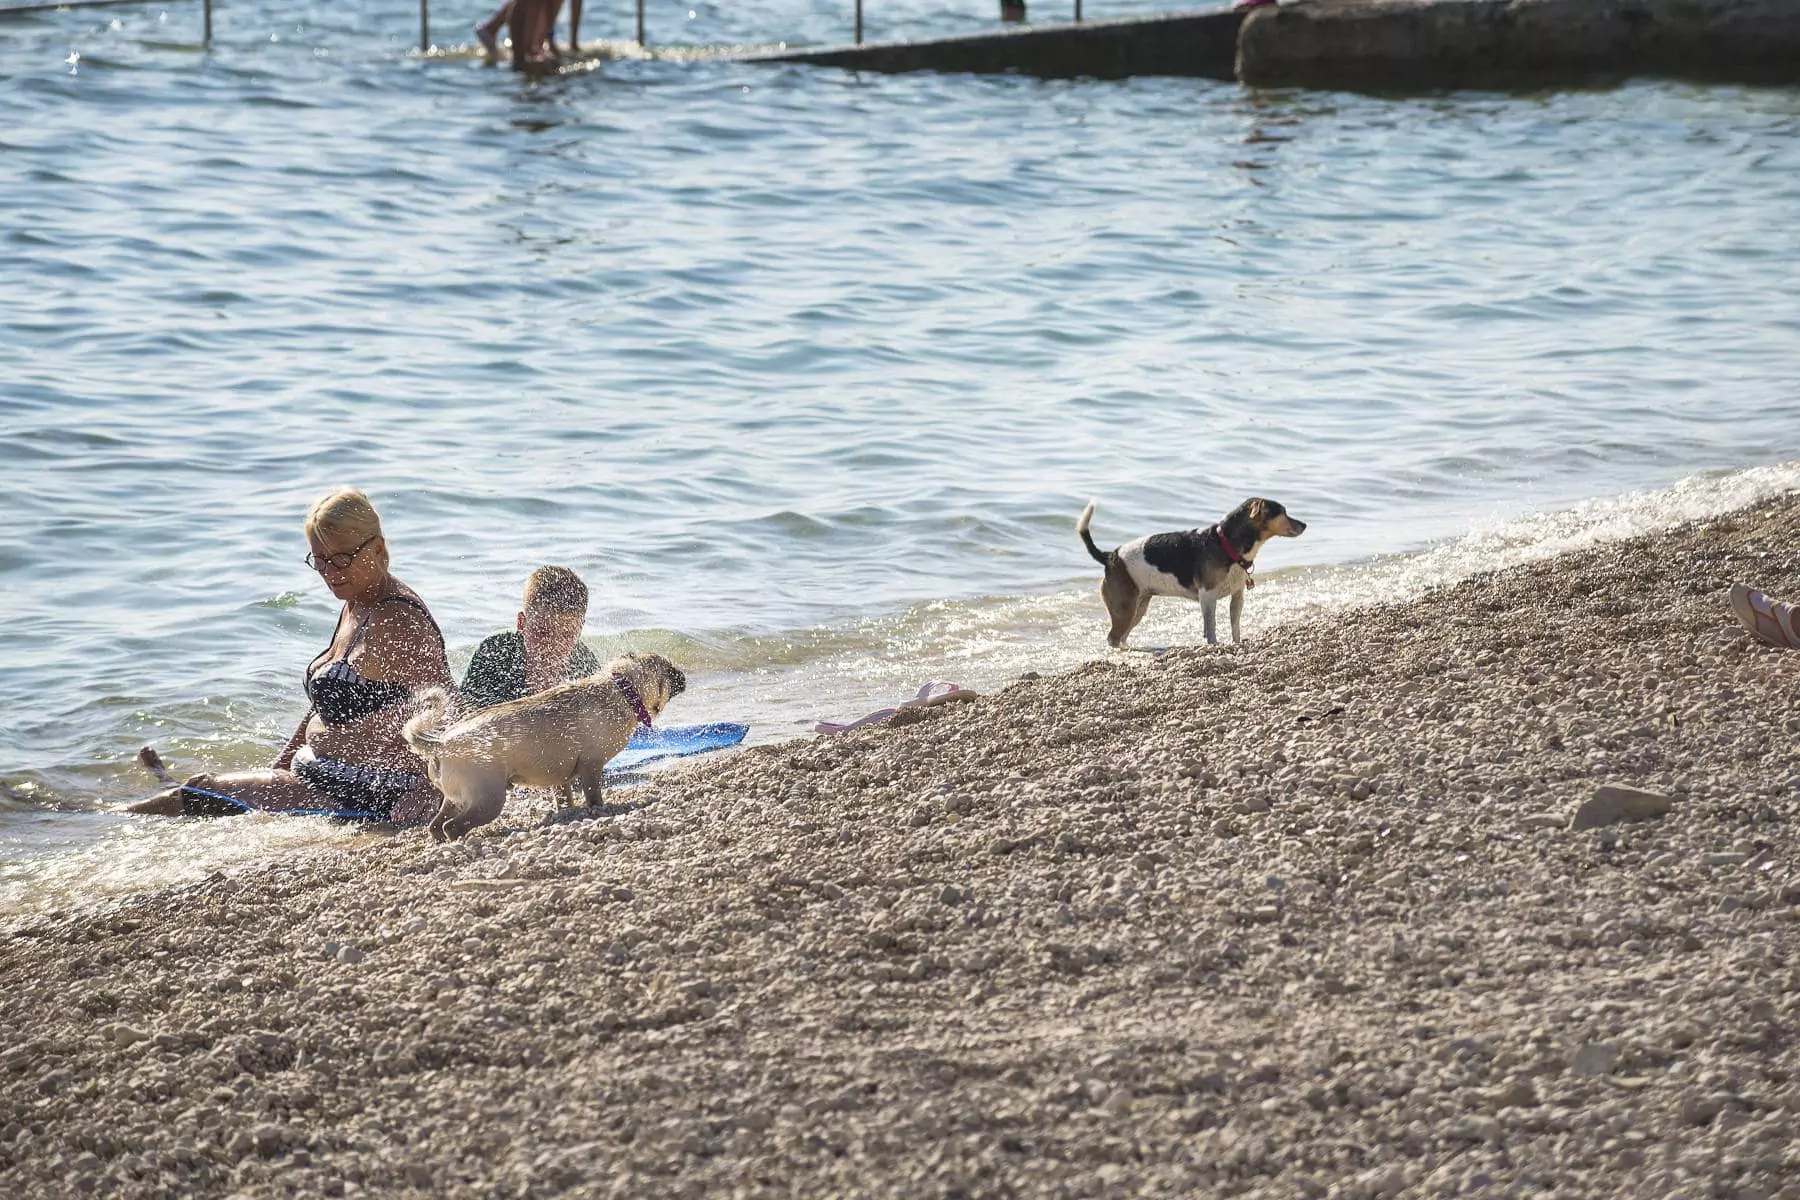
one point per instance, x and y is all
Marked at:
(791, 363)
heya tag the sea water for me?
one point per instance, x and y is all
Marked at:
(807, 372)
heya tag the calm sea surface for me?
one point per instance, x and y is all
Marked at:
(807, 372)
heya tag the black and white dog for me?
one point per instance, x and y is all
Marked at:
(1200, 564)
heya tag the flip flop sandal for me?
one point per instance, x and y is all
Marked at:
(1769, 621)
(923, 700)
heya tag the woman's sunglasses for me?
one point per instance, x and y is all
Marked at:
(337, 562)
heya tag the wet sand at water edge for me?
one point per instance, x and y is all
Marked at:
(1304, 918)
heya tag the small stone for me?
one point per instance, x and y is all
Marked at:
(1477, 1129)
(951, 894)
(1265, 913)
(1594, 1058)
(1544, 821)
(1612, 803)
(828, 890)
(125, 1035)
(268, 1139)
(921, 817)
(1700, 1110)
(1255, 804)
(1517, 1092)
(1224, 828)
(415, 927)
(349, 954)
(1724, 858)
(1382, 1182)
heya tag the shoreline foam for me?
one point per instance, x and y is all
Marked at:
(1298, 919)
(842, 671)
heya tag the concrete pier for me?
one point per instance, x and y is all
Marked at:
(1378, 45)
(1200, 44)
(1399, 45)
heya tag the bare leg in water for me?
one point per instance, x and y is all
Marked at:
(153, 763)
(533, 27)
(266, 791)
(270, 791)
(488, 31)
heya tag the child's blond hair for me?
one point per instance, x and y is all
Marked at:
(556, 590)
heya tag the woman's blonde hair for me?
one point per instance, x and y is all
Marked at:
(347, 512)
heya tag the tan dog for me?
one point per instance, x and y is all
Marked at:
(555, 739)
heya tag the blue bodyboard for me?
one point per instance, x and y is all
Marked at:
(649, 745)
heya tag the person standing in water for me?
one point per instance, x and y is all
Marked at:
(532, 27)
(346, 756)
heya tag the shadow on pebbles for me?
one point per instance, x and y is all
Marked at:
(1307, 918)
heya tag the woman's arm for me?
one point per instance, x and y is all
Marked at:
(285, 760)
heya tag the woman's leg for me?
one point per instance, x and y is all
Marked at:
(417, 806)
(152, 762)
(266, 791)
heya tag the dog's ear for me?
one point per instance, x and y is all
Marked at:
(1259, 510)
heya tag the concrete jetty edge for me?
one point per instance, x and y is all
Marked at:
(1202, 44)
(1376, 45)
(1428, 44)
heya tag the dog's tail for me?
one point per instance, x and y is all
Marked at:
(424, 733)
(1087, 539)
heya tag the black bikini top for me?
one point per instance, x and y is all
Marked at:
(341, 696)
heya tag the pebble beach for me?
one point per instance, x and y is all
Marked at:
(1314, 916)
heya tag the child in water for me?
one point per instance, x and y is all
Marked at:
(544, 650)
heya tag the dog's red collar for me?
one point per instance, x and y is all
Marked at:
(637, 701)
(1231, 552)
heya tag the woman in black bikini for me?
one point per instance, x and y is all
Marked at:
(347, 756)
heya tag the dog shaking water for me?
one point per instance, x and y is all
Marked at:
(1199, 564)
(557, 739)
